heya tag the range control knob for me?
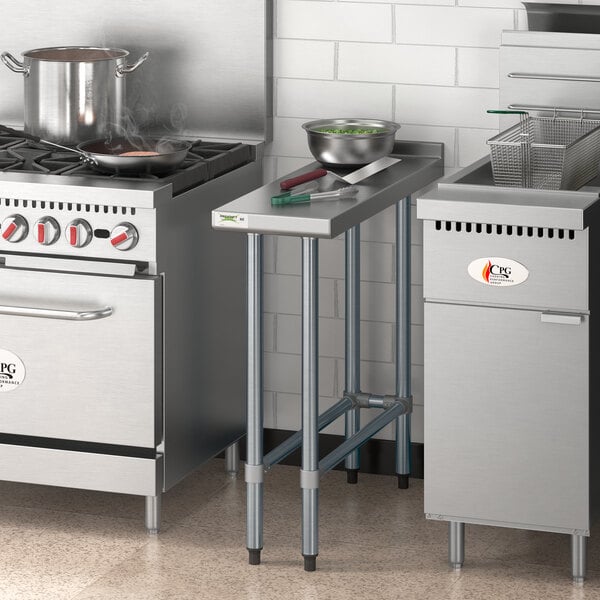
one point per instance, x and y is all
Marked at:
(79, 233)
(47, 231)
(14, 228)
(124, 236)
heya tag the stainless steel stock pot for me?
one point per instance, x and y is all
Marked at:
(73, 93)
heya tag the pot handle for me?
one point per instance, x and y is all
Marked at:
(122, 70)
(13, 64)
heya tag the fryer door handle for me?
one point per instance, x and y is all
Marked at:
(561, 318)
(49, 313)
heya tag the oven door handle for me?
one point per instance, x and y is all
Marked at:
(49, 313)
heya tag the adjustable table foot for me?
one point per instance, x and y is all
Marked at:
(402, 481)
(352, 475)
(310, 562)
(254, 556)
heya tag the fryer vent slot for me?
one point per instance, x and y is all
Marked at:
(505, 230)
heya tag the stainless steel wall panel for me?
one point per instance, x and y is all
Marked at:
(527, 65)
(209, 71)
(549, 69)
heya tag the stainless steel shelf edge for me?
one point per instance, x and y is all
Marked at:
(421, 164)
(84, 470)
(528, 526)
(549, 39)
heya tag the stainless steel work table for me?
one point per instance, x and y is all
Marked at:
(421, 163)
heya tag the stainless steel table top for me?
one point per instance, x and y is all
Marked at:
(421, 163)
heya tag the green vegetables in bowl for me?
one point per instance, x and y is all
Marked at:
(354, 131)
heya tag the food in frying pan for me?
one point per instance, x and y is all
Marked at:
(139, 153)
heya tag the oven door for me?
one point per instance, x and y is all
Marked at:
(80, 357)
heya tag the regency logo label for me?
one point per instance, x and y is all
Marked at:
(239, 220)
(12, 371)
(497, 271)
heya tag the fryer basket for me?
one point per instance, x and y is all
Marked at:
(546, 152)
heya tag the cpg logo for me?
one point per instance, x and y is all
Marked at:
(12, 371)
(498, 271)
(8, 370)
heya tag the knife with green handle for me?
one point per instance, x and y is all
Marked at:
(287, 198)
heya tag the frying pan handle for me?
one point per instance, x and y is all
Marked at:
(86, 156)
(21, 134)
(13, 64)
(294, 181)
(122, 70)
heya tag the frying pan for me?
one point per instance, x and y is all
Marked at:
(107, 155)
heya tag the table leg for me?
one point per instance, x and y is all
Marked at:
(232, 459)
(403, 374)
(254, 453)
(309, 475)
(352, 349)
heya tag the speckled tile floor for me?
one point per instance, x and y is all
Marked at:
(375, 544)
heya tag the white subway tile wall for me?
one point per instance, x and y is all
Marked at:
(311, 99)
(451, 25)
(430, 65)
(473, 144)
(426, 65)
(354, 22)
(477, 67)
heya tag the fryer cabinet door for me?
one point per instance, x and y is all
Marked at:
(85, 378)
(506, 416)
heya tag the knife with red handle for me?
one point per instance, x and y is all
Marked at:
(294, 181)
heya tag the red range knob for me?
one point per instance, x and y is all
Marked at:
(14, 228)
(124, 236)
(79, 233)
(47, 231)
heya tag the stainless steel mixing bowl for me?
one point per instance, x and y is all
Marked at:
(349, 149)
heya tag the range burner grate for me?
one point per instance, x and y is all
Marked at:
(204, 161)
